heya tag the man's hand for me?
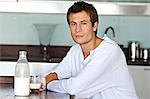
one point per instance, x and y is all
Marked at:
(50, 77)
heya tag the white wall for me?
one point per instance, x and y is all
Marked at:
(18, 28)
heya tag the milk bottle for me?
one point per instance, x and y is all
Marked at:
(22, 76)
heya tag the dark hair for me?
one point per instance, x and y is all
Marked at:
(83, 6)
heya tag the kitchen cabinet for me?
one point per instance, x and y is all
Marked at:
(141, 78)
(142, 1)
(61, 6)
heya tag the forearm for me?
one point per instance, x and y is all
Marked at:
(50, 77)
(56, 86)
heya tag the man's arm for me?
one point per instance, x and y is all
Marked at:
(98, 69)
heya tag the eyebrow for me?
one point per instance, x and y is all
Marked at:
(80, 21)
(84, 21)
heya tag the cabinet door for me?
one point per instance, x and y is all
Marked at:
(141, 78)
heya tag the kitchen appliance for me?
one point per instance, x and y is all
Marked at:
(134, 50)
(145, 54)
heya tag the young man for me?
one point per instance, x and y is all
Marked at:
(94, 68)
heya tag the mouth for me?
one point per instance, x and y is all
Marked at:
(79, 36)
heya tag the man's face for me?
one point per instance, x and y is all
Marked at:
(81, 27)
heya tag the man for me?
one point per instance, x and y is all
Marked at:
(94, 68)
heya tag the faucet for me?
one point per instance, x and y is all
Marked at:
(113, 31)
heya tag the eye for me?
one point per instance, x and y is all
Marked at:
(72, 24)
(84, 23)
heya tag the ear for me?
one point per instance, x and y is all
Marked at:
(95, 26)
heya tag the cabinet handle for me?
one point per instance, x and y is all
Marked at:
(147, 69)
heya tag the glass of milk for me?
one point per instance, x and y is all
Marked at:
(35, 82)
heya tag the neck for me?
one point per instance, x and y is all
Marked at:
(86, 48)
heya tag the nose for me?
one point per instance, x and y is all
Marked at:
(78, 28)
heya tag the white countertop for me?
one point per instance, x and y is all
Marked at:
(7, 68)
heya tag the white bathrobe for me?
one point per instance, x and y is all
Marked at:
(102, 75)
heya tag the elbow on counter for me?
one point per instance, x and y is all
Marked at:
(62, 86)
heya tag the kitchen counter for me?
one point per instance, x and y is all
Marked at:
(7, 68)
(7, 92)
(139, 62)
(58, 60)
(33, 59)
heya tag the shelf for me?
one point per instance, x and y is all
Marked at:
(138, 62)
